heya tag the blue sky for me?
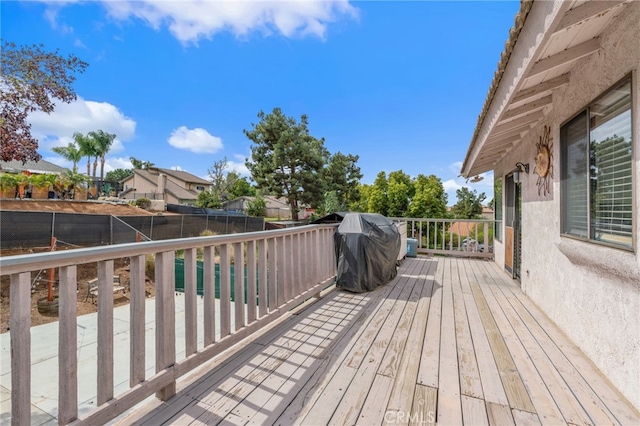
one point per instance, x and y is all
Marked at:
(400, 84)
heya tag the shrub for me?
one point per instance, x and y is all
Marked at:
(143, 203)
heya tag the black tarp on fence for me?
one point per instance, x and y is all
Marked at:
(19, 229)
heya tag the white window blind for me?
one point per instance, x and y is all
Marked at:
(597, 172)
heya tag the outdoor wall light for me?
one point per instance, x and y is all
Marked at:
(519, 169)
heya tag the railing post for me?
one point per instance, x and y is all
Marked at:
(68, 346)
(165, 319)
(20, 325)
(105, 331)
(137, 314)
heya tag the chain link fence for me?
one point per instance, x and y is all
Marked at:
(21, 230)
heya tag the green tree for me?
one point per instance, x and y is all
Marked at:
(378, 201)
(242, 188)
(222, 182)
(71, 152)
(32, 79)
(429, 199)
(87, 147)
(400, 190)
(342, 177)
(103, 142)
(362, 205)
(73, 181)
(287, 160)
(257, 207)
(140, 165)
(208, 200)
(469, 204)
(331, 204)
(118, 175)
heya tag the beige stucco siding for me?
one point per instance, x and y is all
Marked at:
(592, 292)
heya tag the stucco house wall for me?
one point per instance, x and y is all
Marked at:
(591, 291)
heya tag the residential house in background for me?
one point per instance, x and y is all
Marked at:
(171, 186)
(29, 168)
(560, 130)
(276, 207)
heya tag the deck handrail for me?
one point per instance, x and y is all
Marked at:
(286, 267)
(440, 236)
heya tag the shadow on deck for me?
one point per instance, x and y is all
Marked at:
(449, 340)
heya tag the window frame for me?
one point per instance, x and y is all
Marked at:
(498, 212)
(632, 79)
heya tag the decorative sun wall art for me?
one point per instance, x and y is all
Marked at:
(544, 162)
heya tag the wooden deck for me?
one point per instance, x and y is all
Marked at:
(449, 340)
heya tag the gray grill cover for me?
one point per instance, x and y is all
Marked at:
(367, 246)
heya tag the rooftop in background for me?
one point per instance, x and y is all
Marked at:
(39, 167)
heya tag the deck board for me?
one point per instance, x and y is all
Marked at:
(452, 340)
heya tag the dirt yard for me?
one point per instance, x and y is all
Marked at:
(86, 272)
(64, 206)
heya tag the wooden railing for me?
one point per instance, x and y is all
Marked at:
(453, 237)
(284, 268)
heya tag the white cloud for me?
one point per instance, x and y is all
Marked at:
(113, 163)
(57, 128)
(177, 168)
(195, 140)
(239, 165)
(192, 21)
(451, 185)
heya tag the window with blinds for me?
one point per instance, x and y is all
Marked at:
(596, 163)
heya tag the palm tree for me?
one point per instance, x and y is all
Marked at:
(8, 185)
(70, 152)
(103, 142)
(74, 181)
(87, 147)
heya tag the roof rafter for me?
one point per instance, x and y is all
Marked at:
(527, 108)
(518, 122)
(586, 11)
(566, 56)
(542, 88)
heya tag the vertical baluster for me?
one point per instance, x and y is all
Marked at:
(262, 278)
(296, 280)
(209, 295)
(137, 314)
(282, 271)
(428, 230)
(251, 281)
(105, 331)
(273, 274)
(305, 274)
(238, 284)
(165, 318)
(68, 345)
(312, 257)
(485, 239)
(20, 325)
(225, 291)
(190, 301)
